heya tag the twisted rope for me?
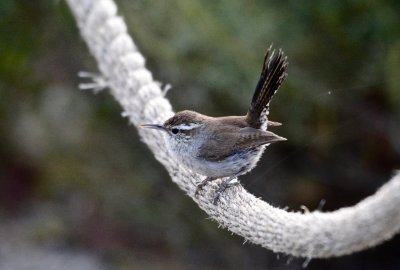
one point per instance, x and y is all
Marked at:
(311, 235)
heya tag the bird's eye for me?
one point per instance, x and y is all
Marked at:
(175, 131)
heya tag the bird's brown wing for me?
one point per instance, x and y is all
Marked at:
(251, 137)
(224, 143)
(218, 146)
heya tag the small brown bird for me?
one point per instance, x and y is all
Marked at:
(229, 146)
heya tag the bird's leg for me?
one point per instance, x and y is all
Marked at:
(227, 183)
(202, 184)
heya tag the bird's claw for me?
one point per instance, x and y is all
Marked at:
(221, 189)
(227, 183)
(202, 185)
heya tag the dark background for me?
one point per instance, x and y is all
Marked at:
(78, 188)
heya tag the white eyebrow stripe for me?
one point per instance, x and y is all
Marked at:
(187, 126)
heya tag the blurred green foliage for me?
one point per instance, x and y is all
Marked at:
(71, 157)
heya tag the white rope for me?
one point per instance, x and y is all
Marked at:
(311, 235)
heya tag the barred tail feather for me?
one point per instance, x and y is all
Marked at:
(272, 75)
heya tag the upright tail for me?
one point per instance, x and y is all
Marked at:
(272, 75)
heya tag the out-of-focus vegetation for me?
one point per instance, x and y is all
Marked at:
(75, 179)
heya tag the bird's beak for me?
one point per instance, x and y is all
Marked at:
(153, 126)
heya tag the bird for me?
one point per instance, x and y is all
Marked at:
(229, 146)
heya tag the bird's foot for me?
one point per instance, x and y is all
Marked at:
(202, 184)
(227, 183)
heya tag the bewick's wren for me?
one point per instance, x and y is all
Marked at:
(230, 146)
